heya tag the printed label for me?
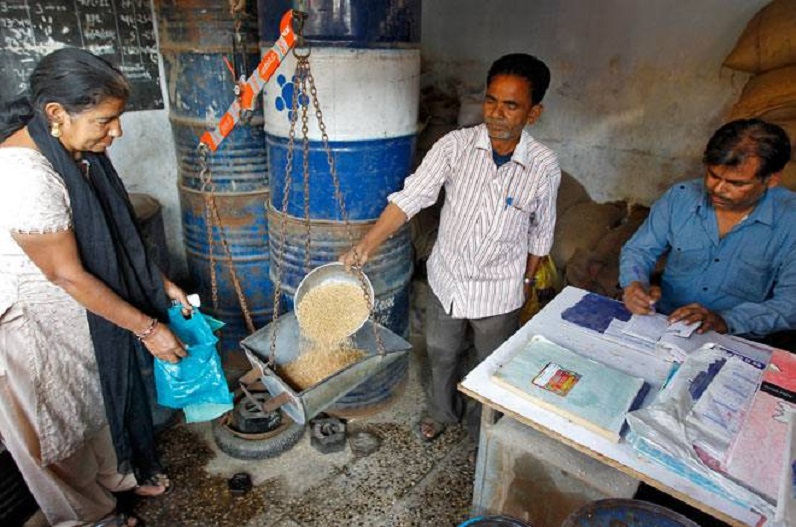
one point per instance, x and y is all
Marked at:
(556, 379)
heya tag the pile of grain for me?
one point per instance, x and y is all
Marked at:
(316, 363)
(327, 315)
(330, 313)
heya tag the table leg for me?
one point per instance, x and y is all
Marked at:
(489, 416)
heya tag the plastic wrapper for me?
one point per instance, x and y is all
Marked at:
(196, 384)
(664, 432)
(546, 286)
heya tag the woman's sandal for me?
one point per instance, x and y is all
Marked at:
(121, 520)
(428, 429)
(154, 486)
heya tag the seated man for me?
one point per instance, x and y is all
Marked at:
(730, 238)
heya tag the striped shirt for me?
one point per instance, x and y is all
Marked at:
(491, 220)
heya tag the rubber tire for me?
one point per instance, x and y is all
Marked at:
(240, 448)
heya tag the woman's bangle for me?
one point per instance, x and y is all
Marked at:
(153, 325)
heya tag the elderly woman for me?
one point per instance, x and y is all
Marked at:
(77, 295)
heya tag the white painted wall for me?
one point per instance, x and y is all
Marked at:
(637, 88)
(637, 85)
(146, 162)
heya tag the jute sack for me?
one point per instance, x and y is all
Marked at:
(769, 40)
(774, 115)
(789, 125)
(597, 270)
(570, 192)
(583, 226)
(773, 91)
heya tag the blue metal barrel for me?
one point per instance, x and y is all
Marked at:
(629, 513)
(369, 168)
(246, 232)
(195, 37)
(366, 68)
(389, 270)
(353, 23)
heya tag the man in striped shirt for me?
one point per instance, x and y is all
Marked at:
(496, 223)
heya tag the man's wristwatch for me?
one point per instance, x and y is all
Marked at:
(529, 281)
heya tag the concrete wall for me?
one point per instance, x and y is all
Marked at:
(637, 88)
(146, 161)
(637, 85)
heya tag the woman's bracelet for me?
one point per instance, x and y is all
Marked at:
(153, 325)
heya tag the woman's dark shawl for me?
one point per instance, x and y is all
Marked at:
(112, 250)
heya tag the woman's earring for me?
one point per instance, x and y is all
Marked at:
(55, 130)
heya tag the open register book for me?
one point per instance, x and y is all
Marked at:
(578, 388)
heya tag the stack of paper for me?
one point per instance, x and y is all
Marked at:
(724, 398)
(757, 454)
(786, 501)
(683, 414)
(580, 389)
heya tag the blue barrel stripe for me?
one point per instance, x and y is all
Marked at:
(368, 172)
(243, 216)
(200, 84)
(239, 165)
(350, 23)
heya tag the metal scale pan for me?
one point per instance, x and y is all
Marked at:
(303, 406)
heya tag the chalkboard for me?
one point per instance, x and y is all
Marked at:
(121, 31)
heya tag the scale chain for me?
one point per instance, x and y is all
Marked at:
(213, 218)
(341, 203)
(302, 76)
(283, 220)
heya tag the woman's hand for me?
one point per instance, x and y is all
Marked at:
(176, 294)
(162, 344)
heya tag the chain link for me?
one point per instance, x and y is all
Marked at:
(212, 218)
(277, 259)
(301, 79)
(338, 194)
(205, 177)
(304, 69)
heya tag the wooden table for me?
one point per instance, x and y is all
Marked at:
(622, 456)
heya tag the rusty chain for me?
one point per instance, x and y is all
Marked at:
(338, 194)
(303, 69)
(301, 78)
(212, 218)
(280, 245)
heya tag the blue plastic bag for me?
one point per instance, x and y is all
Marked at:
(196, 383)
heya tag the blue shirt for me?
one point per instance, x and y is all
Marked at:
(748, 277)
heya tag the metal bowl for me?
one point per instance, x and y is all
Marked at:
(331, 273)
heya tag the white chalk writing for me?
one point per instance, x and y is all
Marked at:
(120, 30)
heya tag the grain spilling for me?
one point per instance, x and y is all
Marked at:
(330, 313)
(316, 363)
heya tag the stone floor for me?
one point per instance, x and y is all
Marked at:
(406, 482)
